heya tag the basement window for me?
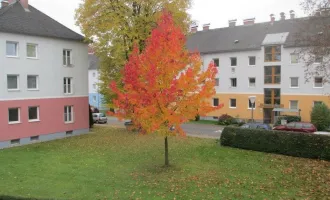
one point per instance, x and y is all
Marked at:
(16, 141)
(34, 138)
(69, 132)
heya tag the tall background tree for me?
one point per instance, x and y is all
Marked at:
(314, 37)
(164, 86)
(115, 25)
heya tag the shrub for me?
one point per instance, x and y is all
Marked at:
(91, 121)
(288, 118)
(197, 118)
(320, 117)
(279, 142)
(226, 120)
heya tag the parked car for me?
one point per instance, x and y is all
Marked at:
(257, 126)
(100, 118)
(297, 127)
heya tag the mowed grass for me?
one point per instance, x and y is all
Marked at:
(204, 122)
(115, 164)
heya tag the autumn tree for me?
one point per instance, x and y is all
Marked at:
(164, 85)
(115, 25)
(314, 39)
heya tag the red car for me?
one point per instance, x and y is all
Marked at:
(297, 127)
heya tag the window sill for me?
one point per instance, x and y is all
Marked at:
(31, 58)
(13, 123)
(34, 121)
(232, 107)
(294, 87)
(68, 94)
(32, 89)
(251, 108)
(17, 57)
(13, 90)
(69, 122)
(68, 66)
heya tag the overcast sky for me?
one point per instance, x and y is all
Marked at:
(216, 12)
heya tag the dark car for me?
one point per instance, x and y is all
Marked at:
(297, 127)
(257, 126)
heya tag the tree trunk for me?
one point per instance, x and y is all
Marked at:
(167, 163)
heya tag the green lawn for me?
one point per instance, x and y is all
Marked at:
(204, 122)
(114, 164)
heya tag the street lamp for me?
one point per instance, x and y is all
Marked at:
(253, 101)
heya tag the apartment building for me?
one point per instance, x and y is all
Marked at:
(95, 97)
(44, 66)
(259, 61)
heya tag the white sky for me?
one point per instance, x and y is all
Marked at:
(216, 12)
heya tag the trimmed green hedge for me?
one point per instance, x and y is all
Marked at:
(280, 142)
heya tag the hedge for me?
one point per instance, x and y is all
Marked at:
(280, 142)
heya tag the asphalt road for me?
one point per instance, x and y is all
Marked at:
(194, 130)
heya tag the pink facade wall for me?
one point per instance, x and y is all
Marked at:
(51, 114)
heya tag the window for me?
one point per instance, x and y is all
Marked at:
(215, 102)
(68, 114)
(251, 105)
(318, 82)
(33, 114)
(317, 103)
(12, 82)
(272, 96)
(68, 133)
(34, 138)
(233, 82)
(232, 103)
(252, 82)
(93, 74)
(252, 61)
(233, 61)
(31, 51)
(272, 74)
(32, 82)
(67, 57)
(14, 115)
(294, 58)
(273, 53)
(12, 49)
(294, 82)
(67, 85)
(318, 59)
(217, 82)
(94, 98)
(94, 86)
(294, 104)
(216, 61)
(16, 141)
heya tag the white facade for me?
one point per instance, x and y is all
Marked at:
(48, 66)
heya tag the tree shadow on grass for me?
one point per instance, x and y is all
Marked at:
(20, 198)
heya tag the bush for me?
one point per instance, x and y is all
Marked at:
(91, 121)
(197, 118)
(279, 142)
(226, 120)
(320, 117)
(288, 118)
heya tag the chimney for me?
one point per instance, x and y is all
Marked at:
(282, 14)
(4, 3)
(249, 21)
(206, 27)
(272, 18)
(232, 23)
(25, 4)
(193, 29)
(292, 14)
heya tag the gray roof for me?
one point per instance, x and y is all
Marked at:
(94, 62)
(250, 37)
(14, 19)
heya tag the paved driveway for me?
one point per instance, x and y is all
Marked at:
(195, 130)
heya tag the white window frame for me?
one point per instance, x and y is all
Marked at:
(250, 108)
(17, 48)
(290, 105)
(230, 106)
(231, 60)
(291, 54)
(36, 47)
(94, 99)
(66, 58)
(37, 81)
(38, 114)
(254, 63)
(19, 116)
(291, 83)
(66, 115)
(66, 85)
(213, 102)
(94, 74)
(231, 86)
(255, 82)
(18, 88)
(322, 82)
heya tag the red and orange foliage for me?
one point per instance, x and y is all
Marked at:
(165, 85)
